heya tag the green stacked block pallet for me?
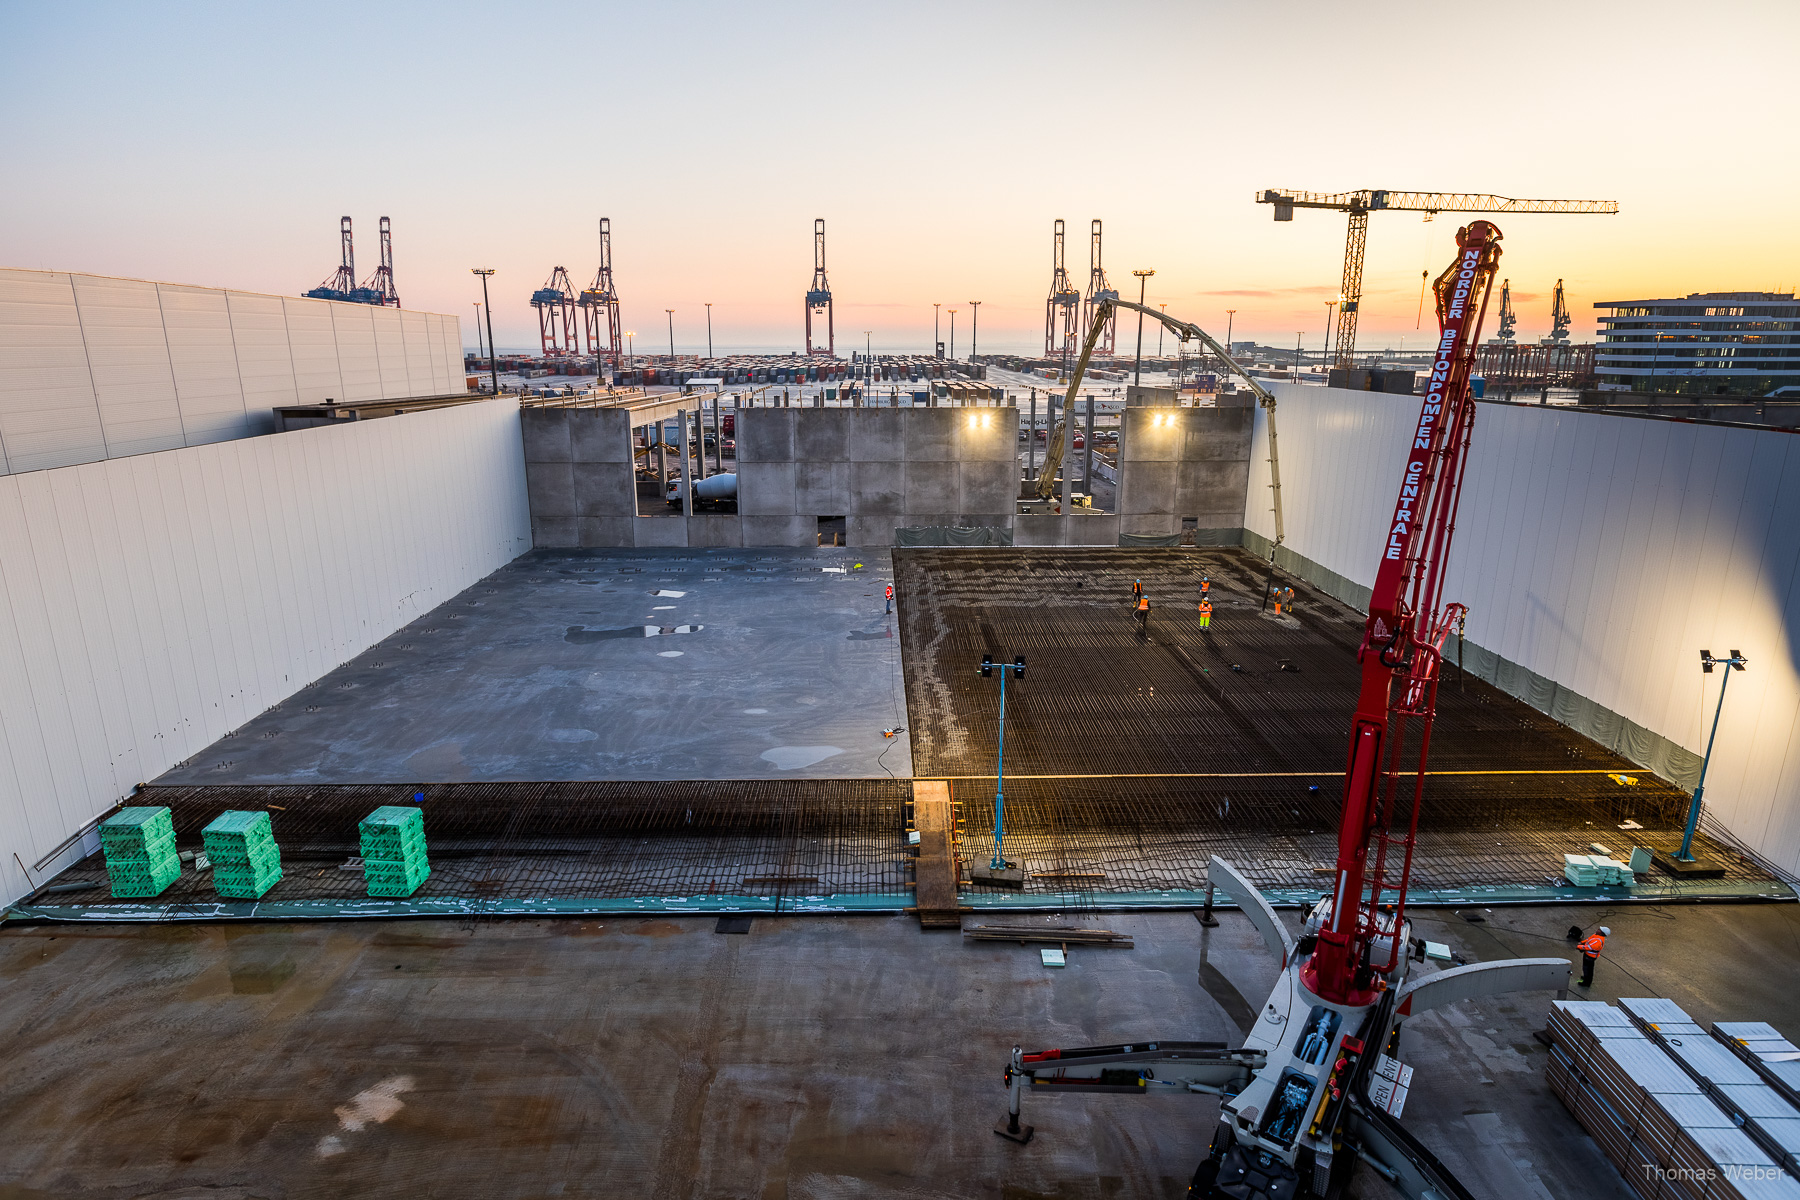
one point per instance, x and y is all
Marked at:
(246, 862)
(139, 844)
(393, 846)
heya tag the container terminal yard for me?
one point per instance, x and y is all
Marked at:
(1068, 775)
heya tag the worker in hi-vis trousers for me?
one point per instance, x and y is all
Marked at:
(1206, 614)
(1590, 947)
(1143, 616)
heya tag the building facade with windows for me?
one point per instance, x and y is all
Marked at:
(1711, 343)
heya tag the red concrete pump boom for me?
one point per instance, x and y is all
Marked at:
(1402, 646)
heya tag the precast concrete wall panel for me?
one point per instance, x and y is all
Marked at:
(94, 367)
(203, 354)
(264, 360)
(48, 413)
(390, 351)
(150, 605)
(422, 371)
(359, 361)
(128, 358)
(312, 340)
(1598, 554)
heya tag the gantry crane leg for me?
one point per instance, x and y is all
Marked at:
(1351, 293)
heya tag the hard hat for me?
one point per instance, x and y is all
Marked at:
(1605, 932)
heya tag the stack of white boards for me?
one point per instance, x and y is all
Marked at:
(1645, 1082)
(1594, 870)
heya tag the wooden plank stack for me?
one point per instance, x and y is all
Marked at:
(1062, 935)
(1669, 1139)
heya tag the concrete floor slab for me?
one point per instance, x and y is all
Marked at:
(567, 665)
(816, 1057)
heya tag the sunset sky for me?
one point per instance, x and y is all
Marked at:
(219, 144)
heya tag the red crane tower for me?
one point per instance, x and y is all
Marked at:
(1098, 290)
(818, 297)
(380, 285)
(600, 304)
(555, 304)
(340, 284)
(1063, 308)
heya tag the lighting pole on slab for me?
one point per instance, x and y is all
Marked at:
(953, 335)
(1297, 336)
(1143, 278)
(1230, 316)
(1736, 662)
(936, 342)
(998, 869)
(493, 355)
(709, 352)
(974, 326)
(1159, 330)
(868, 358)
(630, 347)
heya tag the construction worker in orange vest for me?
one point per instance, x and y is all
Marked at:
(1590, 947)
(1137, 589)
(1143, 615)
(1205, 614)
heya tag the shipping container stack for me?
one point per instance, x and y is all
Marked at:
(246, 862)
(393, 850)
(1652, 1119)
(139, 844)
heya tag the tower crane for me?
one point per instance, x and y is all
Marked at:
(555, 304)
(1099, 291)
(1062, 309)
(818, 297)
(599, 304)
(381, 283)
(1300, 1101)
(1360, 204)
(1507, 320)
(1559, 320)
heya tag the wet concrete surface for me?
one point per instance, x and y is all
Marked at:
(634, 664)
(816, 1057)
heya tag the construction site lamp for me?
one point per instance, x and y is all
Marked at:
(1019, 667)
(987, 666)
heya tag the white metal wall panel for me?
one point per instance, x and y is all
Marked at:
(150, 605)
(1600, 552)
(421, 364)
(204, 355)
(128, 356)
(358, 360)
(48, 414)
(312, 341)
(390, 352)
(265, 362)
(450, 339)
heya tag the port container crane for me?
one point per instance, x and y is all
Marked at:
(818, 297)
(1063, 309)
(1360, 204)
(599, 305)
(1099, 291)
(1559, 319)
(555, 304)
(1504, 337)
(1299, 1106)
(340, 284)
(381, 284)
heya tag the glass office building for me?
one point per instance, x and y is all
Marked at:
(1711, 343)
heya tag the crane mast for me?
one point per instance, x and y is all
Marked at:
(1063, 307)
(600, 305)
(1402, 643)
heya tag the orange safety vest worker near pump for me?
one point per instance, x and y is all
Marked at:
(1590, 947)
(1143, 613)
(1206, 614)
